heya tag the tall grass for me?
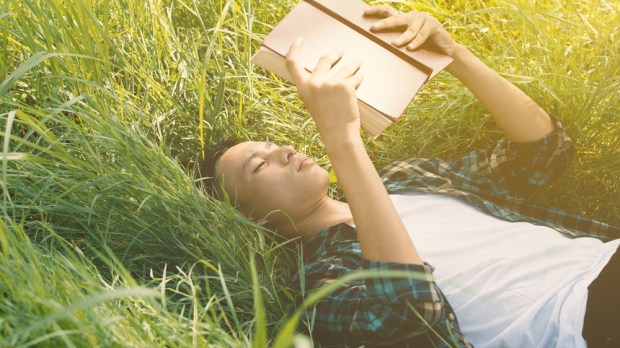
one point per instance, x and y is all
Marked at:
(105, 240)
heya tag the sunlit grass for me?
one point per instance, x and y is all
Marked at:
(106, 242)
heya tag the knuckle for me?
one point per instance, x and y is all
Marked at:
(324, 57)
(331, 84)
(314, 85)
(330, 57)
(341, 87)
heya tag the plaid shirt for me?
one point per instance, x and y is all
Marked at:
(413, 311)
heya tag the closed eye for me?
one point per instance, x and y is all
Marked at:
(262, 163)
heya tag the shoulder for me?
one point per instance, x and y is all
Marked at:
(414, 173)
(328, 255)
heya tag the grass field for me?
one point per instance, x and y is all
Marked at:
(104, 239)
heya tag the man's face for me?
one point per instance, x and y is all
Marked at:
(263, 178)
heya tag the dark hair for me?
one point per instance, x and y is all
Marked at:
(206, 168)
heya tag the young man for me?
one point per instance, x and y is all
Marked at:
(512, 272)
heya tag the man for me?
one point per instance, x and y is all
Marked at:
(503, 266)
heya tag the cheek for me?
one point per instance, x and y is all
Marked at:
(267, 194)
(310, 187)
(283, 192)
(262, 202)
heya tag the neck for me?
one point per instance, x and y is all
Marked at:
(327, 212)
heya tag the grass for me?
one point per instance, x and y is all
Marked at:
(104, 239)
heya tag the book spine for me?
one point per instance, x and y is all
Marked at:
(396, 51)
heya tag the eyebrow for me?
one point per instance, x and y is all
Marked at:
(252, 156)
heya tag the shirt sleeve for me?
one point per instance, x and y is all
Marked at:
(374, 310)
(505, 168)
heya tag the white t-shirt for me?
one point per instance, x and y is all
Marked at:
(510, 284)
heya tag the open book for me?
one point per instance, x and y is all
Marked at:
(392, 75)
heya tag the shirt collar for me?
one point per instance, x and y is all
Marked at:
(328, 236)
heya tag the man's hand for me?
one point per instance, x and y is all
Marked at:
(329, 94)
(419, 28)
(521, 119)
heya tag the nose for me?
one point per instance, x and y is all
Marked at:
(284, 154)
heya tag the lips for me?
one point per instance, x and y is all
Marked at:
(302, 160)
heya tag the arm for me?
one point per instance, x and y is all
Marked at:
(535, 150)
(331, 100)
(374, 310)
(521, 119)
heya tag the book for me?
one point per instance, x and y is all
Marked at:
(392, 75)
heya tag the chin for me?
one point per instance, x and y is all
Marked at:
(324, 178)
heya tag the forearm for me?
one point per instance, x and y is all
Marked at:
(520, 117)
(381, 233)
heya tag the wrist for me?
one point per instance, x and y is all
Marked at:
(459, 56)
(343, 145)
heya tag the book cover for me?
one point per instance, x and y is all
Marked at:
(392, 76)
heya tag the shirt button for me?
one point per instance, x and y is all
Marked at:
(451, 316)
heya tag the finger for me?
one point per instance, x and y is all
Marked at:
(292, 61)
(390, 22)
(410, 33)
(423, 34)
(356, 80)
(347, 71)
(380, 11)
(326, 62)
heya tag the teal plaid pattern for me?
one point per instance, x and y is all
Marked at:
(413, 311)
(375, 310)
(498, 180)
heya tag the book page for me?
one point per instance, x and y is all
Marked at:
(390, 83)
(352, 12)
